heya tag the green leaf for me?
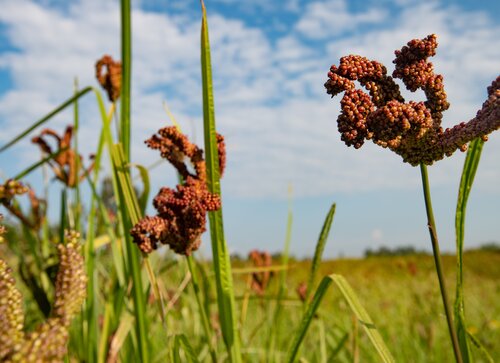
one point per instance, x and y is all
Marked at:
(222, 266)
(182, 342)
(468, 173)
(36, 165)
(356, 307)
(320, 246)
(46, 118)
(143, 198)
(481, 348)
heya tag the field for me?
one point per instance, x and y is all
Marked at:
(98, 284)
(401, 293)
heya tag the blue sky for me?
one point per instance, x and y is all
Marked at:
(270, 60)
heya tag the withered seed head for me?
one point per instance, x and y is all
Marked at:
(111, 81)
(66, 164)
(260, 280)
(302, 291)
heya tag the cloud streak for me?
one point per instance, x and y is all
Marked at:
(270, 103)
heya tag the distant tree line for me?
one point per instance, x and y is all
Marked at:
(396, 251)
(410, 250)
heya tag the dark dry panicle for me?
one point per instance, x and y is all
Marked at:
(260, 280)
(67, 163)
(411, 129)
(111, 80)
(181, 212)
(301, 291)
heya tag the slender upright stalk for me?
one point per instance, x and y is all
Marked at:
(437, 260)
(76, 126)
(124, 137)
(126, 77)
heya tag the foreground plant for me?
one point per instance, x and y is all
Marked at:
(181, 217)
(410, 129)
(48, 342)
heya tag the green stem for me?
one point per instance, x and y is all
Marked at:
(437, 260)
(126, 77)
(204, 318)
(78, 163)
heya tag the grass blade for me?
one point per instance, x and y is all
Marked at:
(356, 307)
(481, 348)
(182, 341)
(45, 118)
(36, 165)
(320, 246)
(222, 266)
(143, 198)
(468, 173)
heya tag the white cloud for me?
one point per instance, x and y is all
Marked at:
(270, 103)
(323, 19)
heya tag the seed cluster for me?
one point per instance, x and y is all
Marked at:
(11, 313)
(48, 342)
(411, 129)
(8, 192)
(111, 81)
(71, 280)
(67, 163)
(181, 212)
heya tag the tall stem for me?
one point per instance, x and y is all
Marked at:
(437, 260)
(126, 43)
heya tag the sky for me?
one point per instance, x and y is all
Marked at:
(270, 60)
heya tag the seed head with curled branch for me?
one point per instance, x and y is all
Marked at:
(111, 81)
(181, 216)
(410, 129)
(67, 163)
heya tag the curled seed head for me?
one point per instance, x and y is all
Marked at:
(111, 81)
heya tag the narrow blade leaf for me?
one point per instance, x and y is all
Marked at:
(356, 307)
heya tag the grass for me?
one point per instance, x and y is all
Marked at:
(165, 307)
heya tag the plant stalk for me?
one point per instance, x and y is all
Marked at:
(437, 260)
(126, 45)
